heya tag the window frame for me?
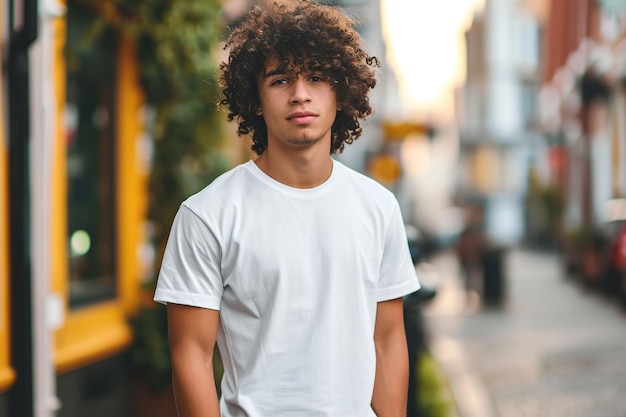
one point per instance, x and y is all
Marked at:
(91, 193)
(7, 374)
(98, 331)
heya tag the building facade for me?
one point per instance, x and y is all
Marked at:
(495, 116)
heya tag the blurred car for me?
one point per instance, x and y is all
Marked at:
(615, 260)
(615, 272)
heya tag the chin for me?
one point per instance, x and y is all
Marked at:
(303, 142)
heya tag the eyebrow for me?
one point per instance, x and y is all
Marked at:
(277, 71)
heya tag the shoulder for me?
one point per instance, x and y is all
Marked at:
(220, 191)
(361, 183)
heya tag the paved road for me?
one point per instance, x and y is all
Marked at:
(553, 349)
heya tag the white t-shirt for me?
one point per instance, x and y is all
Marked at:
(296, 275)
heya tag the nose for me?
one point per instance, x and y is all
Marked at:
(300, 91)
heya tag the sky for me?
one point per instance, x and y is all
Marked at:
(425, 41)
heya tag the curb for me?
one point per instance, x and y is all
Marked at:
(469, 392)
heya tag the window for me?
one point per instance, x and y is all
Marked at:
(99, 187)
(90, 142)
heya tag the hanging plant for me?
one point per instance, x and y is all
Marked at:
(176, 43)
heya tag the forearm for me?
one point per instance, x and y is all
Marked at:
(194, 385)
(392, 375)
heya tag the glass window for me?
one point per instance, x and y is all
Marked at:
(90, 140)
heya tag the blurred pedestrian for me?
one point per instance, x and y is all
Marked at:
(295, 264)
(470, 248)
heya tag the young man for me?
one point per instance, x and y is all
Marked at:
(293, 263)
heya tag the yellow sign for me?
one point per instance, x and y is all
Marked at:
(385, 168)
(400, 130)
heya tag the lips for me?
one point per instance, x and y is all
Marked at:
(302, 117)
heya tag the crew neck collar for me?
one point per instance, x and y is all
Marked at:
(301, 192)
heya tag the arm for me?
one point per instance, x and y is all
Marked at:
(392, 362)
(192, 333)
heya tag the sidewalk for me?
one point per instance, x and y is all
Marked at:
(552, 350)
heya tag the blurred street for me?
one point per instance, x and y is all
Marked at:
(496, 123)
(552, 349)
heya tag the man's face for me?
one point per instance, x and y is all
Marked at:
(299, 108)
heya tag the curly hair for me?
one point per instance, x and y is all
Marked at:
(299, 34)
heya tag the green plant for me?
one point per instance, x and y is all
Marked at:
(150, 351)
(553, 205)
(587, 237)
(435, 398)
(176, 42)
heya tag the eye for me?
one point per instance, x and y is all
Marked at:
(316, 78)
(279, 81)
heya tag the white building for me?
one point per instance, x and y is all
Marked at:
(495, 111)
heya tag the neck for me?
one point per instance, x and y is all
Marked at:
(302, 170)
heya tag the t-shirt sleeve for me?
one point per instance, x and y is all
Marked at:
(397, 272)
(190, 271)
